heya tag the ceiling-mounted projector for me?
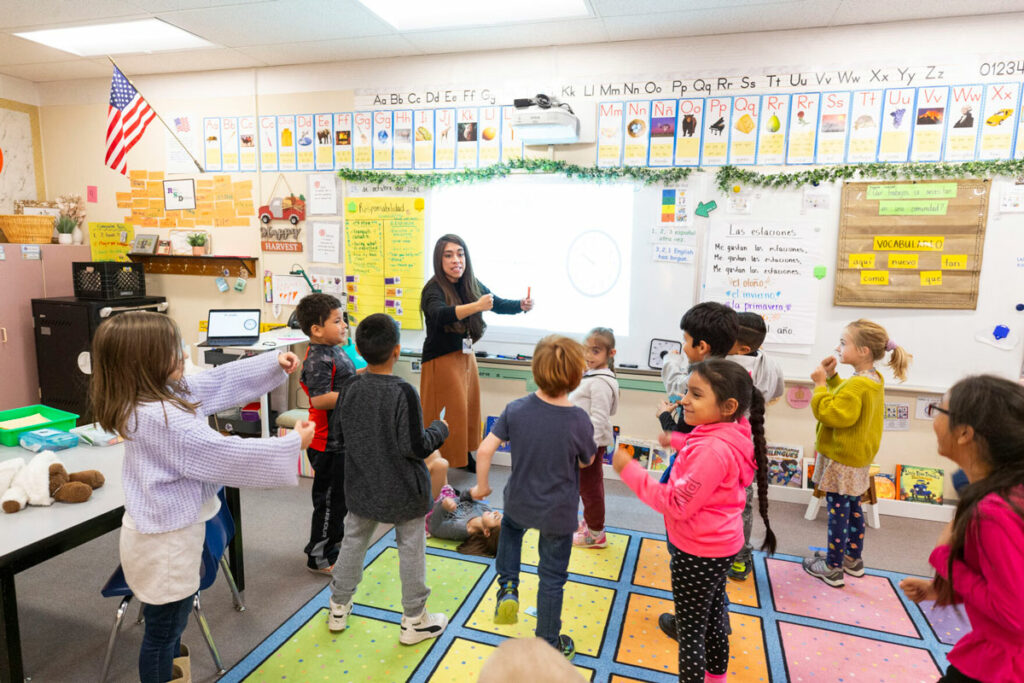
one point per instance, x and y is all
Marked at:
(545, 121)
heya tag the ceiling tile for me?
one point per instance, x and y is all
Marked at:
(57, 71)
(175, 5)
(331, 50)
(14, 50)
(619, 8)
(803, 14)
(878, 11)
(57, 13)
(191, 60)
(569, 32)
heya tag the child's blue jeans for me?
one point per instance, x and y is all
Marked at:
(161, 642)
(552, 572)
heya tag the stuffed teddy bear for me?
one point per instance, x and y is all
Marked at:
(42, 480)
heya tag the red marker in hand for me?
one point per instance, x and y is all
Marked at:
(527, 292)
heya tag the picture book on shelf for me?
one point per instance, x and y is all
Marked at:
(808, 473)
(659, 458)
(919, 484)
(638, 449)
(504, 447)
(885, 486)
(785, 465)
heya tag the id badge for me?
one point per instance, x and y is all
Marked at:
(467, 345)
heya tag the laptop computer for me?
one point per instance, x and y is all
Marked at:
(232, 327)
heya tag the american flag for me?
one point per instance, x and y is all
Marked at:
(127, 118)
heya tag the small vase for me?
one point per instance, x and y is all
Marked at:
(199, 251)
(63, 238)
(76, 235)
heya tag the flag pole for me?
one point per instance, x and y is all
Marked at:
(173, 135)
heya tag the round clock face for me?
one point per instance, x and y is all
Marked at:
(594, 263)
(249, 324)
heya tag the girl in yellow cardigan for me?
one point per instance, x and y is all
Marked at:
(849, 414)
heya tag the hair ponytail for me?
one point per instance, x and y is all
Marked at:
(761, 458)
(899, 361)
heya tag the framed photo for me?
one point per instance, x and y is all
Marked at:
(163, 247)
(144, 244)
(179, 194)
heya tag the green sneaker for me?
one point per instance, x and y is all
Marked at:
(566, 646)
(739, 571)
(506, 611)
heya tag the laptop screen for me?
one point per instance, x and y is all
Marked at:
(240, 323)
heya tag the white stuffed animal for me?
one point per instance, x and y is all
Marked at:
(30, 483)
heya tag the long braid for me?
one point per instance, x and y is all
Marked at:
(761, 458)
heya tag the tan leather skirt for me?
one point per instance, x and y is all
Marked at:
(451, 382)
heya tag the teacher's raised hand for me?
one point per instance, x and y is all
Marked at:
(485, 302)
(526, 304)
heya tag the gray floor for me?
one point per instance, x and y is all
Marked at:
(65, 622)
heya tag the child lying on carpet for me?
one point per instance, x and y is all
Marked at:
(456, 517)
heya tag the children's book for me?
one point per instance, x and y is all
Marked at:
(808, 473)
(638, 449)
(504, 447)
(610, 452)
(885, 486)
(659, 458)
(920, 484)
(785, 466)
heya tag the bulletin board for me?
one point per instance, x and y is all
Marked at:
(914, 244)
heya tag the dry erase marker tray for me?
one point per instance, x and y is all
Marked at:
(48, 417)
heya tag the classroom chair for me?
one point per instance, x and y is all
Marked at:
(869, 505)
(219, 531)
(287, 420)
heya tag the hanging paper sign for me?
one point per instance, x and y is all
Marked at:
(833, 127)
(403, 139)
(866, 118)
(305, 156)
(268, 143)
(423, 139)
(1018, 151)
(468, 132)
(229, 144)
(247, 137)
(746, 111)
(638, 129)
(511, 145)
(444, 136)
(897, 124)
(663, 133)
(286, 143)
(998, 116)
(212, 143)
(383, 144)
(490, 135)
(343, 155)
(324, 143)
(717, 129)
(362, 136)
(803, 129)
(929, 123)
(965, 107)
(609, 134)
(771, 141)
(689, 131)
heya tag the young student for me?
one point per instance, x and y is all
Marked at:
(324, 368)
(598, 395)
(850, 414)
(174, 462)
(703, 504)
(979, 557)
(458, 517)
(380, 434)
(768, 378)
(553, 440)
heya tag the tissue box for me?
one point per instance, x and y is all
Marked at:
(94, 435)
(47, 440)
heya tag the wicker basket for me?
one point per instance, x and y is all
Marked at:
(27, 229)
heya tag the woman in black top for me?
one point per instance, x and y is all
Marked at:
(453, 303)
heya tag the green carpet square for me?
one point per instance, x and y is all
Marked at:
(450, 581)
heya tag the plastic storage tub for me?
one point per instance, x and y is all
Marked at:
(56, 419)
(47, 440)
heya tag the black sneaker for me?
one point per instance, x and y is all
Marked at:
(566, 646)
(506, 609)
(667, 624)
(470, 464)
(739, 571)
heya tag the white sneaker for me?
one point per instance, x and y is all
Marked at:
(426, 625)
(338, 619)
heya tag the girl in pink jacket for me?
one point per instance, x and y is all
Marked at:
(979, 558)
(703, 505)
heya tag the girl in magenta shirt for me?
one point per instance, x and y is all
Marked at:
(979, 558)
(703, 504)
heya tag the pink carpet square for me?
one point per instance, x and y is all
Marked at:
(813, 654)
(867, 602)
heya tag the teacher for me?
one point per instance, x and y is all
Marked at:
(453, 303)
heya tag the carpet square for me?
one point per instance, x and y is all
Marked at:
(643, 644)
(450, 581)
(585, 612)
(465, 658)
(814, 654)
(868, 602)
(652, 571)
(949, 623)
(368, 650)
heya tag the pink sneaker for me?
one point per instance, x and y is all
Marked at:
(589, 539)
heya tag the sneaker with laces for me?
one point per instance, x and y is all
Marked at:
(327, 571)
(739, 571)
(582, 528)
(338, 619)
(590, 539)
(566, 646)
(819, 569)
(506, 610)
(850, 566)
(426, 625)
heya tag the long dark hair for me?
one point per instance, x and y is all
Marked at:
(483, 545)
(994, 408)
(465, 291)
(731, 380)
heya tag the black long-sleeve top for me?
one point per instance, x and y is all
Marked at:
(437, 314)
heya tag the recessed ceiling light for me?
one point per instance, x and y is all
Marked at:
(145, 35)
(417, 15)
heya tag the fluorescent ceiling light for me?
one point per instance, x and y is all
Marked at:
(417, 15)
(146, 35)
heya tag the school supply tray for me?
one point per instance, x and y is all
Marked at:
(27, 229)
(55, 419)
(108, 280)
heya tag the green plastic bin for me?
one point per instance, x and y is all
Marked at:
(56, 419)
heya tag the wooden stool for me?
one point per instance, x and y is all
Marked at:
(869, 505)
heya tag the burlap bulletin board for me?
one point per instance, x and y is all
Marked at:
(914, 244)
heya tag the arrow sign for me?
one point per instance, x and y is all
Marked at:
(704, 209)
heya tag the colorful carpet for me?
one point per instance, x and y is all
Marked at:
(786, 626)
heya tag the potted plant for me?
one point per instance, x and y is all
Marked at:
(65, 225)
(197, 240)
(72, 207)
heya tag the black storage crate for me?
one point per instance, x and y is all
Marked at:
(108, 280)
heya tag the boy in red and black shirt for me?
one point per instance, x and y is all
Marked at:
(324, 368)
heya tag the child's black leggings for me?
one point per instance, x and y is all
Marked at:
(702, 618)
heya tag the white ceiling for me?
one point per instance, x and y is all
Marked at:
(257, 33)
